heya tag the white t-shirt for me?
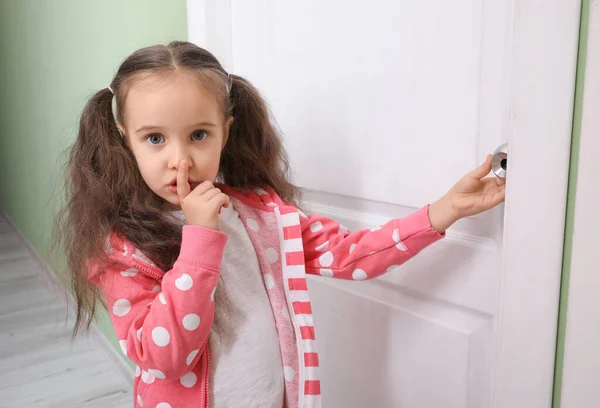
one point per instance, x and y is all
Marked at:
(246, 366)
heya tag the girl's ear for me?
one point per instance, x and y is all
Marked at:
(121, 130)
(226, 129)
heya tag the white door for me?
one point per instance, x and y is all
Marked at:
(385, 104)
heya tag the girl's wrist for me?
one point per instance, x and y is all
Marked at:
(442, 215)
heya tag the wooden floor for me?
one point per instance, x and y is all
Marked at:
(39, 364)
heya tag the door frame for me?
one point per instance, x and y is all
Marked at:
(543, 61)
(581, 361)
(542, 64)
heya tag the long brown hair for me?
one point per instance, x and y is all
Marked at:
(105, 191)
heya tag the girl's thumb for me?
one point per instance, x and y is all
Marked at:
(484, 169)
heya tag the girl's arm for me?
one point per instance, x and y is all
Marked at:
(332, 251)
(163, 326)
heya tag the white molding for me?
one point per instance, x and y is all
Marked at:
(581, 364)
(354, 220)
(542, 63)
(95, 335)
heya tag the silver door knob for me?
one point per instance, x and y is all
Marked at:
(500, 161)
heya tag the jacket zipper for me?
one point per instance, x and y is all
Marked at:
(207, 379)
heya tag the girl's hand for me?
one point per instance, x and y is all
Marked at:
(202, 205)
(472, 195)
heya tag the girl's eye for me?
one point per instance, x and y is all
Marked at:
(154, 139)
(199, 135)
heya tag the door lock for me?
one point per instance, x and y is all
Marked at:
(500, 161)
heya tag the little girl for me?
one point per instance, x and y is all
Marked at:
(182, 221)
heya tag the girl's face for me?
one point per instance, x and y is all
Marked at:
(169, 120)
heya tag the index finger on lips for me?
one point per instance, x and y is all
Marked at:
(183, 187)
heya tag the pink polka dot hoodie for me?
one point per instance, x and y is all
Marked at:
(163, 318)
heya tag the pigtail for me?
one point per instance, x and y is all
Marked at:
(85, 213)
(100, 143)
(100, 164)
(254, 154)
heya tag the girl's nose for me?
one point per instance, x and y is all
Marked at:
(180, 153)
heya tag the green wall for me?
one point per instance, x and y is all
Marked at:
(568, 246)
(54, 55)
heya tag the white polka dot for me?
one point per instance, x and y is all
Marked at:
(138, 372)
(269, 281)
(352, 247)
(191, 321)
(121, 307)
(342, 230)
(288, 373)
(326, 272)
(396, 236)
(156, 288)
(326, 259)
(123, 344)
(139, 334)
(158, 374)
(272, 204)
(147, 378)
(184, 282)
(317, 226)
(129, 272)
(323, 246)
(188, 380)
(260, 191)
(212, 294)
(359, 274)
(161, 336)
(401, 246)
(371, 253)
(285, 313)
(190, 358)
(161, 297)
(252, 224)
(272, 255)
(140, 401)
(164, 405)
(392, 268)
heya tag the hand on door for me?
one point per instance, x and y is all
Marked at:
(472, 194)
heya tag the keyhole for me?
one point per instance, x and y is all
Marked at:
(504, 163)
